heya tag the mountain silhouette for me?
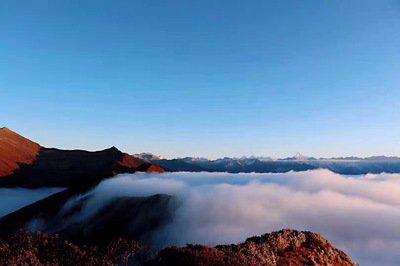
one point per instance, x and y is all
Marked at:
(24, 163)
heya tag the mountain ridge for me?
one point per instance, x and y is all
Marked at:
(340, 165)
(25, 163)
(296, 157)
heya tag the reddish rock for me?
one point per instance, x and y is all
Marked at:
(285, 247)
(15, 150)
(155, 169)
(26, 164)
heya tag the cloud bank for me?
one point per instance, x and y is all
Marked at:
(13, 199)
(358, 214)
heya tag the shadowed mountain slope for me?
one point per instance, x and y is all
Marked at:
(25, 163)
(70, 216)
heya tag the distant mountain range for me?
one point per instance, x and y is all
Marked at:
(296, 157)
(341, 165)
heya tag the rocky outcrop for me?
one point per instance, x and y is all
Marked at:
(286, 247)
(24, 163)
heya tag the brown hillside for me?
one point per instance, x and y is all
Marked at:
(15, 150)
(26, 164)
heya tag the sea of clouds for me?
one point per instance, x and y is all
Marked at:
(358, 214)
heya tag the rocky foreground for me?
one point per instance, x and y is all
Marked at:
(286, 247)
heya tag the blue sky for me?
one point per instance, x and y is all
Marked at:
(204, 78)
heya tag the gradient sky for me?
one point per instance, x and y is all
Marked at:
(204, 78)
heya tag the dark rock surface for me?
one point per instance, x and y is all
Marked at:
(24, 163)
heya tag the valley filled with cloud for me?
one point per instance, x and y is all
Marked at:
(358, 214)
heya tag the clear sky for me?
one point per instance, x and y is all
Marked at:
(204, 78)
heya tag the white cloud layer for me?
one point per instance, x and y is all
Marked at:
(12, 199)
(360, 215)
